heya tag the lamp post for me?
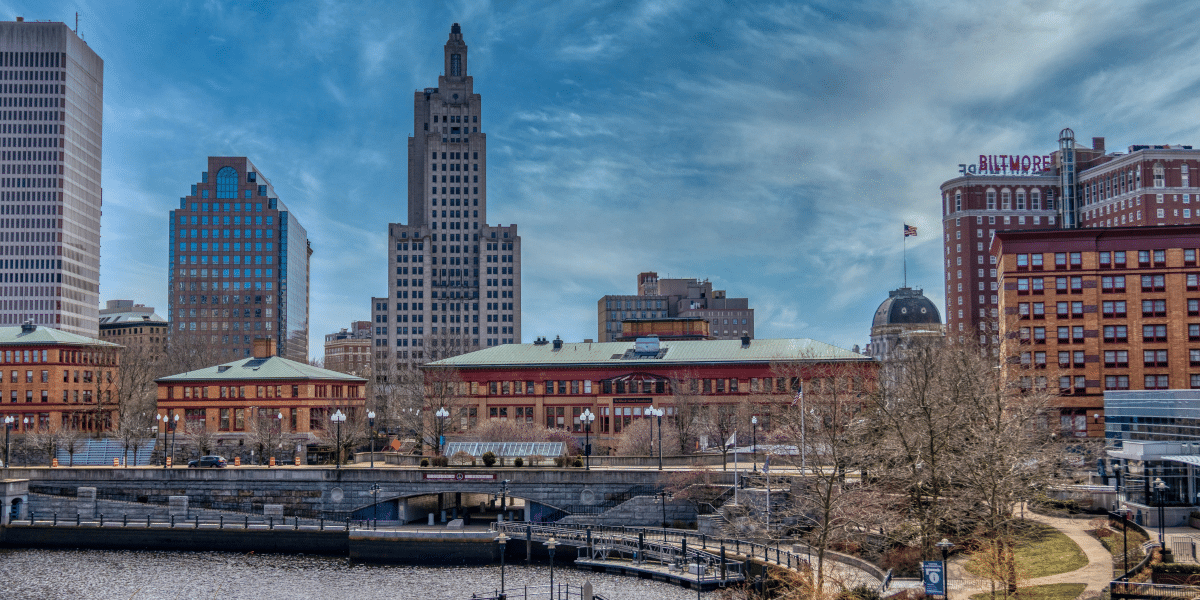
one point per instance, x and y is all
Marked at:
(8, 421)
(754, 443)
(502, 539)
(174, 430)
(162, 426)
(663, 495)
(945, 545)
(658, 412)
(375, 497)
(503, 494)
(441, 415)
(1160, 489)
(550, 544)
(587, 417)
(371, 423)
(338, 417)
(278, 430)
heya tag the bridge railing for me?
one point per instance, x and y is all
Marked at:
(257, 522)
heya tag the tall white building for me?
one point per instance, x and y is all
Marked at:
(455, 281)
(51, 113)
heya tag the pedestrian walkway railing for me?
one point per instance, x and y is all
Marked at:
(561, 591)
(1123, 590)
(193, 522)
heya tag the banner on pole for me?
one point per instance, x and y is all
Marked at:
(933, 574)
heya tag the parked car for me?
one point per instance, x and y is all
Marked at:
(207, 461)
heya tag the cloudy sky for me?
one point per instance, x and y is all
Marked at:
(775, 148)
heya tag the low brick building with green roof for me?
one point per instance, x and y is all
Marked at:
(553, 382)
(53, 379)
(238, 403)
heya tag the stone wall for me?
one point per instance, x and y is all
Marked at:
(641, 511)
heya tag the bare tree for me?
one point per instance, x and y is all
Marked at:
(832, 438)
(638, 439)
(395, 392)
(686, 404)
(341, 438)
(41, 441)
(721, 421)
(136, 395)
(70, 439)
(198, 437)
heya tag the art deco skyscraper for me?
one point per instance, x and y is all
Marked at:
(51, 109)
(455, 281)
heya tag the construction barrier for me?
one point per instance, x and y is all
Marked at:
(237, 461)
(272, 461)
(116, 462)
(53, 462)
(168, 461)
(296, 460)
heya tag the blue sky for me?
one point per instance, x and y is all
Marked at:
(774, 148)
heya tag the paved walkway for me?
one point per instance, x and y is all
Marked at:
(1096, 574)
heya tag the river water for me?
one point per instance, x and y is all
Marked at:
(134, 575)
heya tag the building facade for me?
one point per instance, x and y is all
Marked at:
(52, 99)
(241, 401)
(238, 265)
(454, 281)
(1096, 310)
(53, 379)
(136, 327)
(1073, 187)
(552, 382)
(349, 350)
(905, 316)
(728, 318)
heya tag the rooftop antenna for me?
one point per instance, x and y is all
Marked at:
(76, 22)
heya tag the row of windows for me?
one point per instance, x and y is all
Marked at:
(225, 233)
(1006, 200)
(1067, 334)
(68, 396)
(203, 220)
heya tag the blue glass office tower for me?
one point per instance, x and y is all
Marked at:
(239, 267)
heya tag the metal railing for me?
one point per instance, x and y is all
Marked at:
(194, 522)
(1120, 589)
(561, 591)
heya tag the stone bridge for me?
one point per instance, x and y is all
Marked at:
(403, 494)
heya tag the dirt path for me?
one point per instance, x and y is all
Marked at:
(1095, 575)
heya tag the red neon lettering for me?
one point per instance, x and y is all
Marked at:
(1014, 163)
(1037, 163)
(1026, 163)
(983, 163)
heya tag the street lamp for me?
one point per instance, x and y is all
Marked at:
(945, 545)
(587, 417)
(338, 417)
(441, 415)
(503, 540)
(550, 544)
(174, 431)
(1160, 489)
(663, 494)
(278, 430)
(162, 426)
(754, 443)
(371, 423)
(658, 412)
(8, 421)
(25, 436)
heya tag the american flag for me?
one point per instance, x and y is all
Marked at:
(799, 395)
(909, 230)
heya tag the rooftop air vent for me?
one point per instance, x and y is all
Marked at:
(745, 341)
(646, 346)
(557, 343)
(222, 368)
(28, 327)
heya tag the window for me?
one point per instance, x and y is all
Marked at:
(1116, 382)
(227, 182)
(1076, 260)
(1113, 308)
(1154, 308)
(1154, 283)
(1035, 261)
(1039, 335)
(1119, 258)
(1157, 382)
(1154, 333)
(1060, 260)
(1116, 333)
(1112, 284)
(1039, 310)
(1193, 307)
(1154, 358)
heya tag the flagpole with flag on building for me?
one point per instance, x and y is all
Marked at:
(908, 230)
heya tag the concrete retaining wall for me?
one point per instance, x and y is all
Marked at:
(333, 543)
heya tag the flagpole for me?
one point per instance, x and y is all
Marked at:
(906, 257)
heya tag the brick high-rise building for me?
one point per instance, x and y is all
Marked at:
(349, 350)
(238, 265)
(52, 98)
(454, 280)
(1098, 309)
(728, 318)
(1073, 187)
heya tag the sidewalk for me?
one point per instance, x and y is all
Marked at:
(1095, 575)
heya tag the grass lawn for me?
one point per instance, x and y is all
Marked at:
(1042, 550)
(1054, 591)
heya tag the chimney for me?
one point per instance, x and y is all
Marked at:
(1098, 145)
(28, 327)
(745, 341)
(20, 19)
(264, 347)
(557, 343)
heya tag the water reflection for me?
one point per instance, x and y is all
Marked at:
(129, 575)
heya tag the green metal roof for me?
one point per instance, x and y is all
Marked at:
(680, 352)
(275, 368)
(47, 336)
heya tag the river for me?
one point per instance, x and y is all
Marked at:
(136, 575)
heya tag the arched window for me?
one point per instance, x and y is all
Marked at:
(1020, 199)
(1035, 199)
(1158, 175)
(1005, 199)
(957, 200)
(227, 182)
(991, 199)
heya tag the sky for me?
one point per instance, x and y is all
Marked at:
(773, 148)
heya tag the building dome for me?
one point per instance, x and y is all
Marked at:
(906, 306)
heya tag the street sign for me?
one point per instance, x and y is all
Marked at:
(933, 574)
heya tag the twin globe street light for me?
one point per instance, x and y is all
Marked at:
(587, 417)
(441, 415)
(166, 425)
(656, 412)
(338, 417)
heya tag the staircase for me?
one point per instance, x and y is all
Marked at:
(100, 453)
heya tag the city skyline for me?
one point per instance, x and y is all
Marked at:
(695, 142)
